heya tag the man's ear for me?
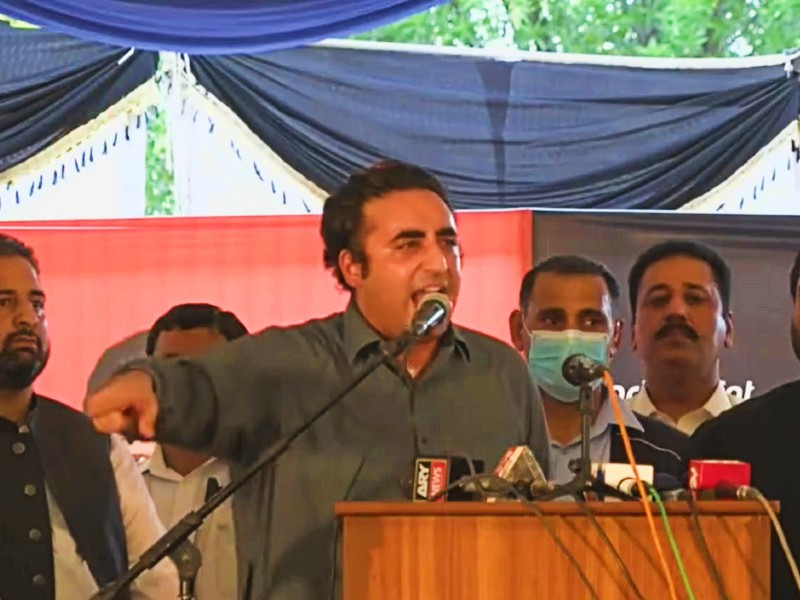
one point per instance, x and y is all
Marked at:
(352, 269)
(516, 329)
(728, 329)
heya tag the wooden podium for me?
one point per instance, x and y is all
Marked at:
(501, 551)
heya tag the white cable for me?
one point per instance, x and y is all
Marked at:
(781, 537)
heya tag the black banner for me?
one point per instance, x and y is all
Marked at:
(760, 252)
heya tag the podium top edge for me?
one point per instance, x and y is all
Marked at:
(408, 509)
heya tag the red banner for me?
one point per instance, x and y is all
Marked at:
(108, 279)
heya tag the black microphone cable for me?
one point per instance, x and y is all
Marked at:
(703, 543)
(499, 486)
(617, 558)
(534, 508)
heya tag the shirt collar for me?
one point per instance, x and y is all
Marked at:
(605, 418)
(360, 339)
(716, 404)
(9, 425)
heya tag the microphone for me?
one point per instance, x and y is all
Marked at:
(433, 310)
(725, 490)
(188, 561)
(519, 465)
(435, 478)
(579, 369)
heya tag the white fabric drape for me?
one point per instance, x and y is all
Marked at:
(768, 184)
(96, 171)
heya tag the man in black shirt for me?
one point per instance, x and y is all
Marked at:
(765, 432)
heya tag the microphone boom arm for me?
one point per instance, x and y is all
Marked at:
(181, 531)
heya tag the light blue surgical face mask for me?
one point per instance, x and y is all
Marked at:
(549, 350)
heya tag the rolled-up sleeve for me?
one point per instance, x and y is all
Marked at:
(222, 401)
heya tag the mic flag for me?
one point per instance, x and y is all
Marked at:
(519, 465)
(433, 475)
(708, 474)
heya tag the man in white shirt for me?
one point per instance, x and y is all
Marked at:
(180, 480)
(680, 304)
(74, 511)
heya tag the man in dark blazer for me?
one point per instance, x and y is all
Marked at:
(566, 307)
(765, 432)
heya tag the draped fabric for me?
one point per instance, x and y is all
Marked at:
(223, 159)
(769, 184)
(210, 26)
(101, 176)
(505, 134)
(51, 84)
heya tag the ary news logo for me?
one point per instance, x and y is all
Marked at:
(737, 392)
(430, 478)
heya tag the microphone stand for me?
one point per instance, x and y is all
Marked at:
(583, 481)
(181, 531)
(188, 560)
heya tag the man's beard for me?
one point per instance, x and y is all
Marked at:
(19, 367)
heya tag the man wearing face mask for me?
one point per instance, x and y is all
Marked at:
(566, 307)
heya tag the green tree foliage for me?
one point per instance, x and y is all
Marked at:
(159, 194)
(677, 28)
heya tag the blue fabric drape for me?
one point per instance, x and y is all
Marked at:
(51, 84)
(210, 26)
(508, 134)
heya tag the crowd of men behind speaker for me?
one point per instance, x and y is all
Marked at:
(213, 396)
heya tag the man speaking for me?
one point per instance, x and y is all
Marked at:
(390, 239)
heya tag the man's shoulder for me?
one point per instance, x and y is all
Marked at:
(748, 412)
(314, 330)
(59, 421)
(659, 432)
(484, 345)
(654, 426)
(765, 417)
(657, 444)
(61, 409)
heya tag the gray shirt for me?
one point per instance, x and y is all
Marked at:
(475, 399)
